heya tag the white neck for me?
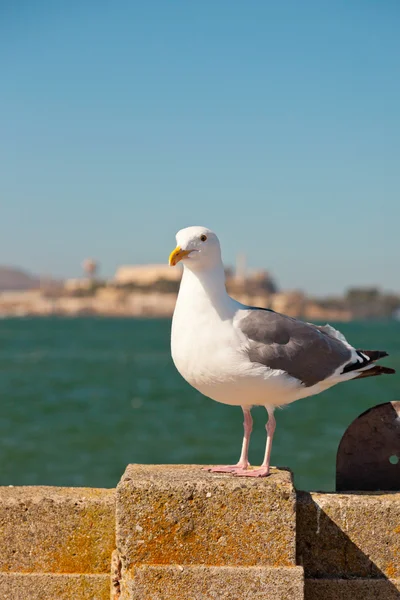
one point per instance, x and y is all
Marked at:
(206, 287)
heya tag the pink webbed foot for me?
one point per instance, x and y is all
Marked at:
(260, 472)
(225, 468)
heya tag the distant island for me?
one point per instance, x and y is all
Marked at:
(151, 290)
(16, 279)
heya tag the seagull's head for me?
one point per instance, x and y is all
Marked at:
(197, 247)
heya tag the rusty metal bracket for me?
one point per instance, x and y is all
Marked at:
(368, 457)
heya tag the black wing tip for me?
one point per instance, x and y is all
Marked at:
(374, 354)
(385, 370)
(368, 358)
(375, 371)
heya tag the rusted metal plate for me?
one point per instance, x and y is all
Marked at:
(368, 457)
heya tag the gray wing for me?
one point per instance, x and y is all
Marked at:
(305, 351)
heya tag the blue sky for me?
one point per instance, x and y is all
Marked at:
(277, 124)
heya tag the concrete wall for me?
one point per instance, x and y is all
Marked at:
(56, 543)
(349, 545)
(179, 532)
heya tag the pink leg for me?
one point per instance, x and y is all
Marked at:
(243, 463)
(263, 471)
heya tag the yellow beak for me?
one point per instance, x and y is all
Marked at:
(177, 255)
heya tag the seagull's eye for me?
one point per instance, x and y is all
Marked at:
(203, 237)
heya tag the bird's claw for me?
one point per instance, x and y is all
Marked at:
(260, 472)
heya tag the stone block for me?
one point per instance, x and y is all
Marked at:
(175, 514)
(213, 583)
(349, 535)
(351, 589)
(56, 530)
(49, 586)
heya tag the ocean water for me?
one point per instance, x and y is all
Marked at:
(82, 398)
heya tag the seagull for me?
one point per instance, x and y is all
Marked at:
(247, 356)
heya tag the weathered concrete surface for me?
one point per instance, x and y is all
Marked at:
(56, 530)
(115, 580)
(214, 583)
(184, 533)
(351, 589)
(39, 586)
(185, 515)
(349, 535)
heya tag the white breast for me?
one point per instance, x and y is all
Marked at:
(204, 349)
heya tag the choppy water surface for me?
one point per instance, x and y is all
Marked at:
(81, 398)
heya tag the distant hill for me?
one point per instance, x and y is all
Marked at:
(16, 279)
